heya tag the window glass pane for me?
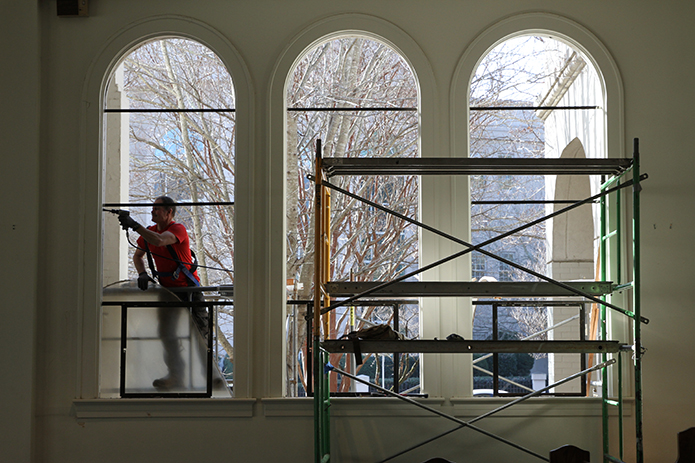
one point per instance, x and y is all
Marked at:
(531, 96)
(367, 244)
(170, 130)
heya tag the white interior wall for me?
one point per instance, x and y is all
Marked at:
(51, 223)
(21, 208)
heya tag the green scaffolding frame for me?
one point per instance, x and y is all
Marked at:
(323, 304)
(637, 351)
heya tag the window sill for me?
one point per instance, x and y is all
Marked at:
(85, 409)
(536, 406)
(465, 408)
(352, 406)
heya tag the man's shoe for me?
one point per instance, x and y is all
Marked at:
(167, 383)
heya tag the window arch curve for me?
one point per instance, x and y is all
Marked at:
(547, 24)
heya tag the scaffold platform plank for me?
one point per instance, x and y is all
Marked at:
(468, 288)
(474, 166)
(416, 346)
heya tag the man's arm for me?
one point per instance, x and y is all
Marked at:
(157, 239)
(139, 260)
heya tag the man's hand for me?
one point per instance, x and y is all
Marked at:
(143, 280)
(128, 222)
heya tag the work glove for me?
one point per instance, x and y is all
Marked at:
(143, 280)
(128, 222)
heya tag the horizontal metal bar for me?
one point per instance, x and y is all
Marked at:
(468, 288)
(472, 108)
(173, 395)
(165, 303)
(384, 302)
(529, 108)
(226, 290)
(351, 109)
(416, 346)
(528, 201)
(530, 303)
(199, 203)
(170, 110)
(473, 166)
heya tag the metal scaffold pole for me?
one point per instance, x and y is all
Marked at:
(322, 418)
(602, 328)
(636, 188)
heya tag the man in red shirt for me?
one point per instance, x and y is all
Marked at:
(168, 244)
(165, 232)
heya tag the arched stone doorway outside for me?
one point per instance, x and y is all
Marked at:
(570, 258)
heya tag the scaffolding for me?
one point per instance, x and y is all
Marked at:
(330, 295)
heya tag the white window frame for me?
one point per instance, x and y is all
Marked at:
(333, 27)
(539, 24)
(91, 156)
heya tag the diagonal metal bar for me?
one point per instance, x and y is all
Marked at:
(479, 248)
(537, 333)
(437, 412)
(502, 378)
(505, 406)
(612, 458)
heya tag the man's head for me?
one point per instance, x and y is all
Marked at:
(162, 215)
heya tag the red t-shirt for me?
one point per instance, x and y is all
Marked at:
(162, 257)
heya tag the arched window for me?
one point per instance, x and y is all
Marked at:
(169, 129)
(533, 96)
(360, 97)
